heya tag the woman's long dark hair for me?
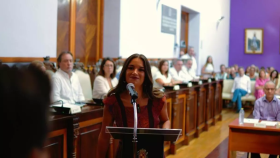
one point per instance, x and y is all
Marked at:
(160, 66)
(272, 73)
(147, 86)
(101, 71)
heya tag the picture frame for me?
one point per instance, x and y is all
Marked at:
(254, 41)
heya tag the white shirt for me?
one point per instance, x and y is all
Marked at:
(154, 70)
(242, 83)
(67, 89)
(194, 65)
(208, 68)
(190, 73)
(101, 86)
(158, 75)
(181, 76)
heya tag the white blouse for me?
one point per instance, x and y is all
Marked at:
(158, 75)
(208, 68)
(101, 87)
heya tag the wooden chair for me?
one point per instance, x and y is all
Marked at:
(51, 66)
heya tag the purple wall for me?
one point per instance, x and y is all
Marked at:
(255, 14)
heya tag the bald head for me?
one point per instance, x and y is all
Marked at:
(269, 84)
(269, 90)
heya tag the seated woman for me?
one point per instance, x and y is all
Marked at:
(231, 73)
(105, 80)
(118, 108)
(274, 77)
(252, 73)
(247, 72)
(162, 77)
(207, 70)
(260, 84)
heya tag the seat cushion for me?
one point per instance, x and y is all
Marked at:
(248, 98)
(227, 86)
(253, 84)
(227, 96)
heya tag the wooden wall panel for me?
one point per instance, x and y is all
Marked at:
(89, 140)
(191, 116)
(63, 26)
(57, 144)
(88, 23)
(201, 109)
(169, 109)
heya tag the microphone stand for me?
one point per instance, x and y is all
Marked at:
(133, 102)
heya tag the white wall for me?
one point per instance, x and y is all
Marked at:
(28, 28)
(140, 29)
(111, 29)
(214, 40)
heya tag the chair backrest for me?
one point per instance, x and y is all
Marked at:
(50, 73)
(85, 83)
(227, 86)
(253, 87)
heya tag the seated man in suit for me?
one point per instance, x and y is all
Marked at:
(66, 85)
(176, 71)
(241, 87)
(267, 108)
(25, 101)
(187, 69)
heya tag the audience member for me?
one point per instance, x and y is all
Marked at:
(241, 87)
(257, 71)
(182, 53)
(260, 84)
(267, 108)
(191, 54)
(207, 70)
(39, 64)
(269, 70)
(118, 107)
(247, 72)
(231, 73)
(176, 71)
(105, 80)
(235, 66)
(162, 77)
(187, 69)
(252, 73)
(223, 74)
(66, 85)
(274, 77)
(25, 100)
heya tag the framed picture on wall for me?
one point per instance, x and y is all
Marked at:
(254, 41)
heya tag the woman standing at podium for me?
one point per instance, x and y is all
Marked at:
(151, 103)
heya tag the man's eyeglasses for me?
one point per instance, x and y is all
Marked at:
(267, 89)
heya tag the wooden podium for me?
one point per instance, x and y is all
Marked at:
(150, 141)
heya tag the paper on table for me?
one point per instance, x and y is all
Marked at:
(251, 120)
(269, 123)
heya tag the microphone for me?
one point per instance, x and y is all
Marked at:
(131, 90)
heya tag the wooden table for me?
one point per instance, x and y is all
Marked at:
(248, 138)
